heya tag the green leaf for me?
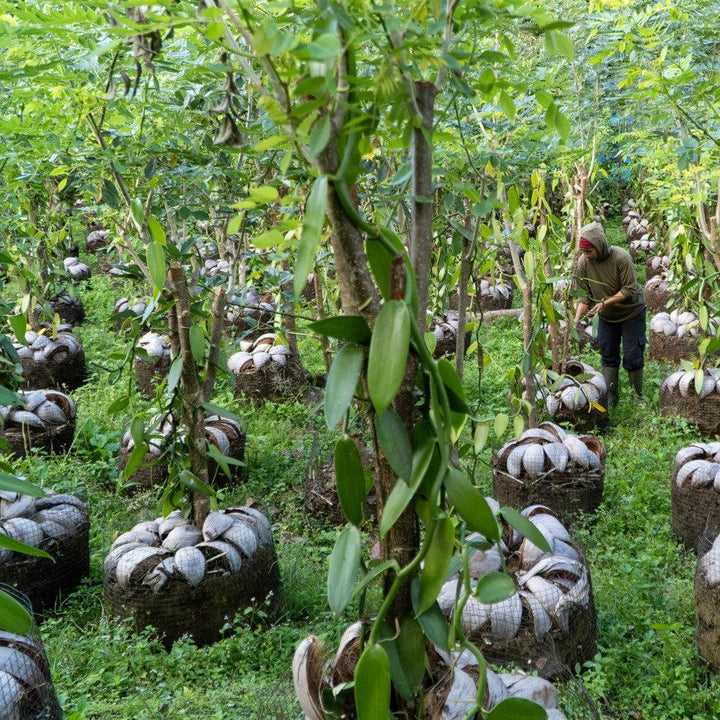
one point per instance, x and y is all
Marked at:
(324, 47)
(234, 225)
(350, 479)
(156, 230)
(193, 482)
(434, 625)
(11, 483)
(516, 708)
(16, 546)
(221, 411)
(470, 504)
(266, 240)
(135, 459)
(518, 425)
(173, 376)
(453, 386)
(319, 135)
(529, 263)
(501, 423)
(8, 397)
(137, 429)
(388, 353)
(494, 587)
(215, 30)
(699, 380)
(344, 567)
(264, 194)
(197, 343)
(702, 316)
(312, 227)
(380, 261)
(156, 264)
(372, 684)
(14, 617)
(480, 436)
(18, 323)
(406, 655)
(342, 382)
(395, 444)
(351, 328)
(118, 405)
(110, 194)
(437, 562)
(402, 493)
(138, 213)
(562, 125)
(507, 104)
(525, 528)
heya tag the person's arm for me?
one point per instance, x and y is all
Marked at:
(617, 297)
(582, 309)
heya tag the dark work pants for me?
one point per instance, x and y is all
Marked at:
(632, 334)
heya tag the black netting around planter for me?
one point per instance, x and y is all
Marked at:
(26, 690)
(671, 348)
(56, 439)
(566, 493)
(657, 294)
(69, 374)
(149, 374)
(44, 581)
(203, 612)
(707, 601)
(583, 419)
(705, 412)
(272, 381)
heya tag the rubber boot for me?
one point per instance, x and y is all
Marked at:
(611, 380)
(636, 380)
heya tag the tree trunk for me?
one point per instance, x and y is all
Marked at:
(421, 236)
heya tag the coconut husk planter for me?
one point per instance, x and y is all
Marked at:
(129, 308)
(678, 397)
(78, 271)
(57, 524)
(266, 370)
(673, 336)
(445, 331)
(46, 421)
(449, 688)
(549, 624)
(223, 433)
(96, 240)
(695, 493)
(656, 265)
(657, 293)
(581, 403)
(492, 295)
(707, 603)
(249, 315)
(149, 373)
(26, 691)
(549, 466)
(70, 309)
(641, 249)
(169, 575)
(52, 361)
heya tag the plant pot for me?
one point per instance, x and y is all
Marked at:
(47, 421)
(535, 469)
(26, 692)
(49, 362)
(679, 398)
(156, 585)
(57, 524)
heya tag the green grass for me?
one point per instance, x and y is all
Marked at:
(646, 666)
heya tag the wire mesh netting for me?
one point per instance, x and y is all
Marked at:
(26, 690)
(707, 597)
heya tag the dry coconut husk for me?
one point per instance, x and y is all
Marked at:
(707, 601)
(26, 691)
(149, 374)
(70, 309)
(702, 412)
(657, 293)
(671, 348)
(656, 265)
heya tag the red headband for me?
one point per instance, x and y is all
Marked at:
(586, 244)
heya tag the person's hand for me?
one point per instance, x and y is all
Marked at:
(595, 309)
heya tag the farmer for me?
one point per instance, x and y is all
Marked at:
(605, 277)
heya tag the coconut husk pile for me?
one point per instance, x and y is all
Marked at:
(70, 309)
(45, 420)
(77, 270)
(657, 293)
(96, 240)
(26, 690)
(679, 397)
(640, 234)
(52, 359)
(656, 265)
(674, 335)
(445, 328)
(249, 314)
(550, 466)
(125, 308)
(264, 369)
(493, 294)
(148, 373)
(695, 492)
(549, 623)
(183, 580)
(57, 524)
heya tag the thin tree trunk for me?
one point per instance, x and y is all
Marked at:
(193, 416)
(465, 265)
(422, 207)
